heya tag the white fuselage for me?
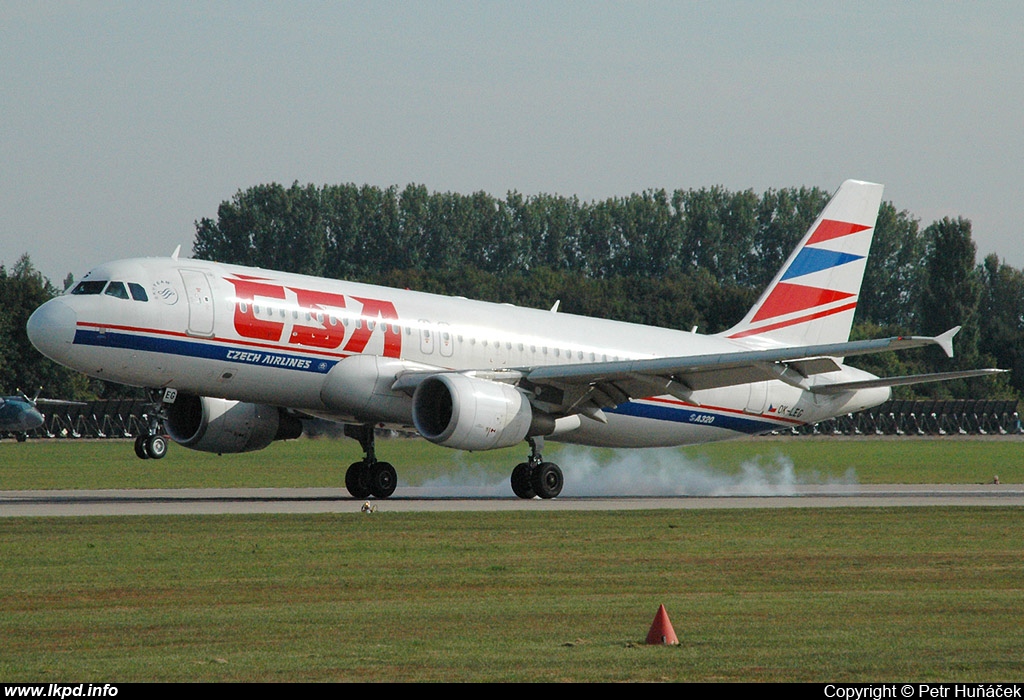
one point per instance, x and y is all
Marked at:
(268, 337)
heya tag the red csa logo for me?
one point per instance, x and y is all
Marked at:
(328, 332)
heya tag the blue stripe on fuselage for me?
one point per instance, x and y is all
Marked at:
(682, 414)
(205, 351)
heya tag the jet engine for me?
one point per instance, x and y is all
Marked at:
(225, 427)
(468, 413)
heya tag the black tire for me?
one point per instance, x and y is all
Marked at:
(140, 447)
(383, 480)
(521, 485)
(21, 437)
(357, 480)
(547, 480)
(156, 446)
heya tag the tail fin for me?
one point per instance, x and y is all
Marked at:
(813, 298)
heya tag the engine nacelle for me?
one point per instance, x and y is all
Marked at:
(467, 413)
(225, 427)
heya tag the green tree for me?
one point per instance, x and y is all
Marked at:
(380, 235)
(892, 278)
(783, 218)
(950, 296)
(1001, 331)
(22, 291)
(340, 217)
(951, 290)
(267, 226)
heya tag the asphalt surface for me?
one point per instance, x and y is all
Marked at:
(409, 499)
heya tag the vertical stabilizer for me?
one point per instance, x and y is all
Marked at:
(813, 298)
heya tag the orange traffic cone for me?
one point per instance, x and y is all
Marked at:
(661, 629)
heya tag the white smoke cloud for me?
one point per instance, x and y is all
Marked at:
(647, 472)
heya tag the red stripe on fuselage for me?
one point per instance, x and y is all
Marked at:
(720, 409)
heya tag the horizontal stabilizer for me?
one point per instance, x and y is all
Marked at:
(903, 381)
(945, 340)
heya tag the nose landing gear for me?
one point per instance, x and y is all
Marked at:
(152, 444)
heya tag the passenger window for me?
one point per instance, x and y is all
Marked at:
(89, 287)
(116, 289)
(138, 292)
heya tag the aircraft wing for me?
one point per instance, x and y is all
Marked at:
(588, 388)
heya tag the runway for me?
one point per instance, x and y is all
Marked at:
(412, 499)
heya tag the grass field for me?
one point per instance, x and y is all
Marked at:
(70, 464)
(917, 594)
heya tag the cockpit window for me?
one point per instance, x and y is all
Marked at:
(116, 289)
(89, 287)
(138, 292)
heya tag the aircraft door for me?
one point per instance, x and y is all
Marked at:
(200, 302)
(758, 398)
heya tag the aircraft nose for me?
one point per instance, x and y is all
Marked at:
(51, 328)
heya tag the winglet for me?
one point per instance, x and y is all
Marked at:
(554, 309)
(174, 255)
(945, 341)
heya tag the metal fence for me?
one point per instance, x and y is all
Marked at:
(952, 417)
(126, 419)
(95, 419)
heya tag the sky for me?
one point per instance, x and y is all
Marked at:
(123, 123)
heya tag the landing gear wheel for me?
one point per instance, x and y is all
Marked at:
(357, 480)
(547, 480)
(521, 485)
(383, 480)
(156, 446)
(140, 447)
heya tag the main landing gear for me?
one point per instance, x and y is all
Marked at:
(536, 477)
(152, 444)
(368, 477)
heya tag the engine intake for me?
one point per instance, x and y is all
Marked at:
(227, 427)
(467, 413)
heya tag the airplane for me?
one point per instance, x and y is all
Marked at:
(19, 414)
(237, 357)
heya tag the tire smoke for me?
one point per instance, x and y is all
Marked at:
(647, 472)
